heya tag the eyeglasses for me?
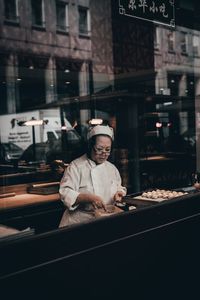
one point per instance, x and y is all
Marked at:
(100, 150)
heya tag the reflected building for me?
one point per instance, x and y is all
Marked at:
(45, 52)
(84, 59)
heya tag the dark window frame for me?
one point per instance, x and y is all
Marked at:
(11, 11)
(37, 14)
(62, 8)
(83, 25)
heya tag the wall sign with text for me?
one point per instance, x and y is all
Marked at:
(158, 11)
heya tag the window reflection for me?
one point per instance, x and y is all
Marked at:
(171, 40)
(68, 63)
(62, 16)
(11, 10)
(37, 7)
(195, 44)
(84, 20)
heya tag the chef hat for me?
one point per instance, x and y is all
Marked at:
(100, 129)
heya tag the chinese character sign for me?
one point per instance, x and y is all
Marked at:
(158, 11)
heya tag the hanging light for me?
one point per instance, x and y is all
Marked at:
(95, 121)
(158, 124)
(33, 122)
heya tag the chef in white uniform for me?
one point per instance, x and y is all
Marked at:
(90, 181)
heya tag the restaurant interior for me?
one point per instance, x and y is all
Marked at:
(68, 65)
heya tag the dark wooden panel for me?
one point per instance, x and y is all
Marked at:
(152, 252)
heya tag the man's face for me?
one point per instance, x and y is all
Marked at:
(101, 149)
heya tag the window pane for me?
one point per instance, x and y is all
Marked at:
(61, 16)
(196, 44)
(11, 10)
(131, 73)
(170, 39)
(31, 81)
(83, 20)
(37, 13)
(183, 42)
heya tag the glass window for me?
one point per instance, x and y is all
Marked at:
(171, 40)
(62, 16)
(67, 76)
(3, 88)
(37, 7)
(173, 83)
(84, 22)
(112, 67)
(183, 42)
(195, 45)
(156, 38)
(190, 85)
(11, 10)
(30, 82)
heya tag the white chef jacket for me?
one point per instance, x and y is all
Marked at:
(85, 176)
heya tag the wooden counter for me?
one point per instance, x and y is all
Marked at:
(26, 199)
(22, 198)
(26, 210)
(150, 253)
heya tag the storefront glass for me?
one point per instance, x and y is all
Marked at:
(132, 64)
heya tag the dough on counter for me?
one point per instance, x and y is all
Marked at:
(110, 209)
(162, 194)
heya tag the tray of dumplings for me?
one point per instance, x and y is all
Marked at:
(158, 195)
